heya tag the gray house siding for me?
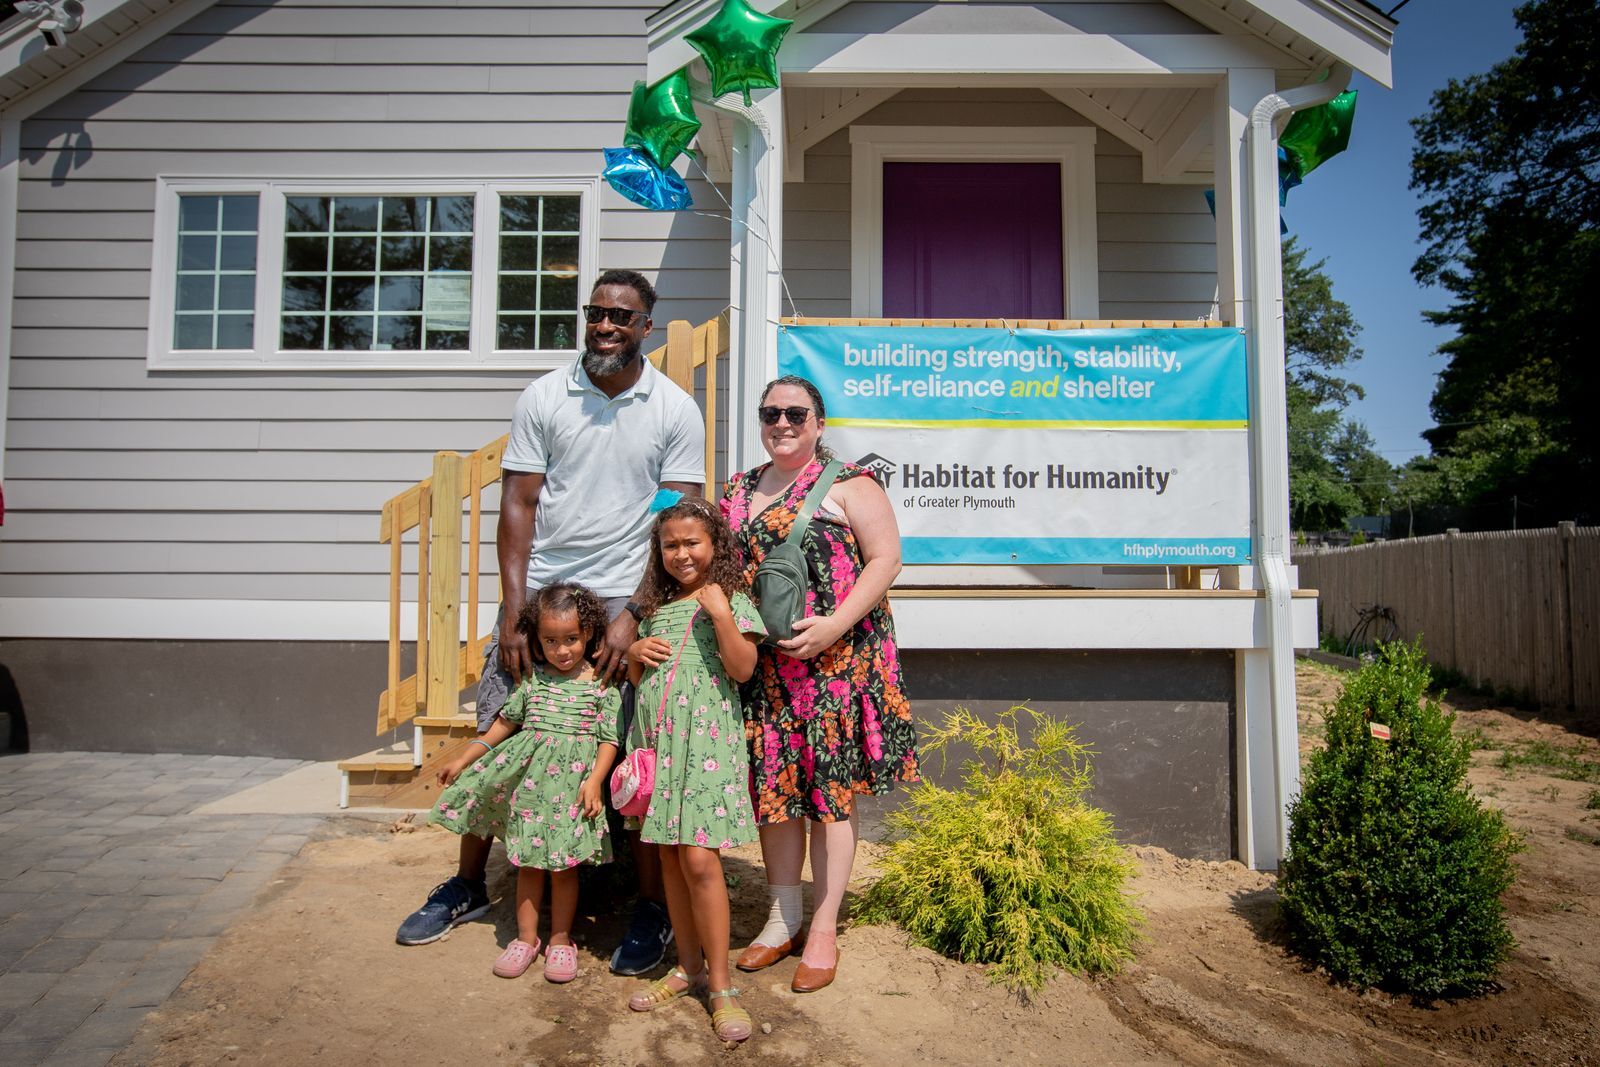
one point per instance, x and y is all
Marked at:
(128, 482)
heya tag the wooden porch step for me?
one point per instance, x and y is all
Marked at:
(390, 759)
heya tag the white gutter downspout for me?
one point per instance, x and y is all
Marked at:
(1269, 417)
(757, 165)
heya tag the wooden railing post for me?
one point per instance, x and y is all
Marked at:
(444, 589)
(679, 361)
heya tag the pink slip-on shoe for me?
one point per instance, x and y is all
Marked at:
(516, 959)
(560, 963)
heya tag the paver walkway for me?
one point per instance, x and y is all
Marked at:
(112, 889)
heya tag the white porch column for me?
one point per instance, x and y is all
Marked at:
(755, 280)
(10, 170)
(1237, 93)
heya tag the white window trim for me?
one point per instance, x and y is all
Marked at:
(1070, 146)
(269, 273)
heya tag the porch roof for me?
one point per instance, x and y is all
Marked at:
(1304, 36)
(28, 63)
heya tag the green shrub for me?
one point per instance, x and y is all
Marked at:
(1013, 869)
(1395, 871)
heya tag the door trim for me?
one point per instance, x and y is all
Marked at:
(1072, 147)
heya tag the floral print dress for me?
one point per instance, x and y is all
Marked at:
(821, 730)
(702, 792)
(526, 789)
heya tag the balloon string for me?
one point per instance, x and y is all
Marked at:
(776, 255)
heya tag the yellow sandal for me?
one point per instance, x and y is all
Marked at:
(730, 1022)
(659, 992)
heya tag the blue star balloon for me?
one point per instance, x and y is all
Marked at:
(635, 175)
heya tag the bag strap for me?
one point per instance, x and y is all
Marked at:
(666, 687)
(802, 518)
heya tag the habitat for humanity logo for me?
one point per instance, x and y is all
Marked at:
(882, 469)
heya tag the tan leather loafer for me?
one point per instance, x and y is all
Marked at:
(810, 979)
(759, 957)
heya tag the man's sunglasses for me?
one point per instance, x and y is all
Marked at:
(796, 416)
(623, 317)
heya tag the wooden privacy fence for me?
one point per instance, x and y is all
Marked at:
(445, 664)
(1517, 610)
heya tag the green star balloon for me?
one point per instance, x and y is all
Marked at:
(1317, 134)
(740, 46)
(661, 120)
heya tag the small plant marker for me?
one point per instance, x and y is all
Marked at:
(1378, 730)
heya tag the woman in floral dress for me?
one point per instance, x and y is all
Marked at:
(826, 717)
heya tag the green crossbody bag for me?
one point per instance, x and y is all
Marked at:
(781, 581)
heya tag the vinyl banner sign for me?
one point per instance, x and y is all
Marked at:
(1039, 447)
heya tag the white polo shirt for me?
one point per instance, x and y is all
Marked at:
(603, 459)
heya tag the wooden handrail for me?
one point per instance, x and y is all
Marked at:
(446, 665)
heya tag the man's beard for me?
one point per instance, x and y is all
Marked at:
(600, 365)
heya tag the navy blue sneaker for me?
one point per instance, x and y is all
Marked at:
(451, 902)
(644, 946)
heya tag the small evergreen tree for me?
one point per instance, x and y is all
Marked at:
(1015, 868)
(1395, 871)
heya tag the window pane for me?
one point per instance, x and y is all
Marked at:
(401, 294)
(404, 214)
(517, 331)
(450, 253)
(452, 214)
(192, 331)
(306, 214)
(197, 252)
(447, 340)
(355, 253)
(519, 213)
(197, 213)
(401, 253)
(238, 252)
(239, 213)
(302, 331)
(305, 294)
(557, 331)
(561, 213)
(400, 332)
(349, 333)
(351, 294)
(560, 255)
(236, 292)
(558, 294)
(195, 292)
(305, 253)
(236, 331)
(519, 253)
(518, 292)
(355, 214)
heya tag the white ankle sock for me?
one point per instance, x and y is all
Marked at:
(784, 917)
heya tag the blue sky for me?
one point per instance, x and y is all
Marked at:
(1357, 211)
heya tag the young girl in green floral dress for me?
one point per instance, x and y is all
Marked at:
(697, 643)
(536, 780)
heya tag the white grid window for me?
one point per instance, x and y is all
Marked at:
(325, 274)
(216, 273)
(539, 241)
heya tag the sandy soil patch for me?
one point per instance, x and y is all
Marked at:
(313, 973)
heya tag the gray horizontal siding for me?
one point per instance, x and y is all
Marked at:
(912, 17)
(121, 481)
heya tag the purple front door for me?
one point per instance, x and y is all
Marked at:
(972, 240)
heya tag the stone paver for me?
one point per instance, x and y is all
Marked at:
(112, 889)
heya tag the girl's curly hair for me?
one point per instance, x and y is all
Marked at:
(558, 599)
(727, 566)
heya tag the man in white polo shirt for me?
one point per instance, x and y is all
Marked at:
(590, 447)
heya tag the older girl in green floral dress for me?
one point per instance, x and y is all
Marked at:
(697, 643)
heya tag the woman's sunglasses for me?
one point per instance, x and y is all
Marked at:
(623, 317)
(796, 416)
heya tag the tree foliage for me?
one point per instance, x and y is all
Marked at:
(1334, 472)
(1508, 166)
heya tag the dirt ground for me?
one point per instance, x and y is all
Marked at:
(314, 974)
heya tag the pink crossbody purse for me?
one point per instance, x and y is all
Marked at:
(634, 778)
